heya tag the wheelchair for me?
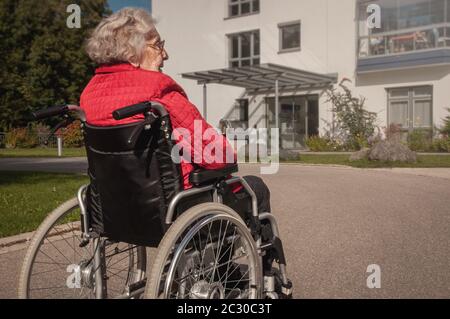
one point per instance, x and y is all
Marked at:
(211, 242)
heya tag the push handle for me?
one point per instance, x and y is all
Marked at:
(49, 112)
(132, 110)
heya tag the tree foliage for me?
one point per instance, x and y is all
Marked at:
(43, 61)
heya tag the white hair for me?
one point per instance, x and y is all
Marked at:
(121, 37)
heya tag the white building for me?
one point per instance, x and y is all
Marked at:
(401, 68)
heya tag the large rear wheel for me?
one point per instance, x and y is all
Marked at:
(55, 265)
(208, 253)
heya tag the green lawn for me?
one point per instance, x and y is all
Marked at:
(423, 161)
(42, 152)
(26, 198)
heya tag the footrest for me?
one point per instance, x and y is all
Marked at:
(286, 290)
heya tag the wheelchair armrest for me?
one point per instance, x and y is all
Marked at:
(203, 176)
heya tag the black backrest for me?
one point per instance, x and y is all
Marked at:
(131, 184)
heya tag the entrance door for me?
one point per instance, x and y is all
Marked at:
(297, 119)
(292, 123)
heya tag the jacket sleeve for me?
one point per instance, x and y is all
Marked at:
(207, 148)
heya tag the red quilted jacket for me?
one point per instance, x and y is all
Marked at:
(121, 85)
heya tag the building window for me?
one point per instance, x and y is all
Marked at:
(244, 49)
(238, 119)
(290, 36)
(406, 26)
(242, 7)
(242, 110)
(411, 108)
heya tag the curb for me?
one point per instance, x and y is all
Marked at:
(8, 242)
(20, 241)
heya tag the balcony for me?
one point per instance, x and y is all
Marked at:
(407, 48)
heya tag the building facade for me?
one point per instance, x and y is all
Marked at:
(398, 60)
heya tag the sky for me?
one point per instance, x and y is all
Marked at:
(119, 4)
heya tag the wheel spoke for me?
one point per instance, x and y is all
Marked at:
(59, 251)
(237, 283)
(54, 261)
(181, 286)
(44, 277)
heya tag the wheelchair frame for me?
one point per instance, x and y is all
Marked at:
(217, 198)
(138, 288)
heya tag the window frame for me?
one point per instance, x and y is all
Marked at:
(280, 36)
(239, 4)
(252, 56)
(411, 100)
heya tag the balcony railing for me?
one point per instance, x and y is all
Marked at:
(405, 41)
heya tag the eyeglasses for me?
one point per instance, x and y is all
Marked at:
(158, 45)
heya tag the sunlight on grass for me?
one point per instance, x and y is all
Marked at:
(26, 198)
(42, 152)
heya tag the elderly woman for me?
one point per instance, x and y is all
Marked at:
(130, 54)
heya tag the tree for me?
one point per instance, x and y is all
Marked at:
(355, 124)
(44, 62)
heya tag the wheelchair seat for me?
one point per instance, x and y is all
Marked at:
(202, 176)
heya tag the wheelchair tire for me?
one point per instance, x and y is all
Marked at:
(181, 256)
(59, 232)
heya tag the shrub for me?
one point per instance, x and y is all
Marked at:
(22, 137)
(393, 132)
(445, 130)
(420, 141)
(322, 144)
(72, 135)
(441, 145)
(359, 142)
(357, 125)
(41, 131)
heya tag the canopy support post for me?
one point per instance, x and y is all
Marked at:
(277, 105)
(205, 102)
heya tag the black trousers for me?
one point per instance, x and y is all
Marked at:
(262, 192)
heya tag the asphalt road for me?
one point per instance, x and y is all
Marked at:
(61, 165)
(335, 222)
